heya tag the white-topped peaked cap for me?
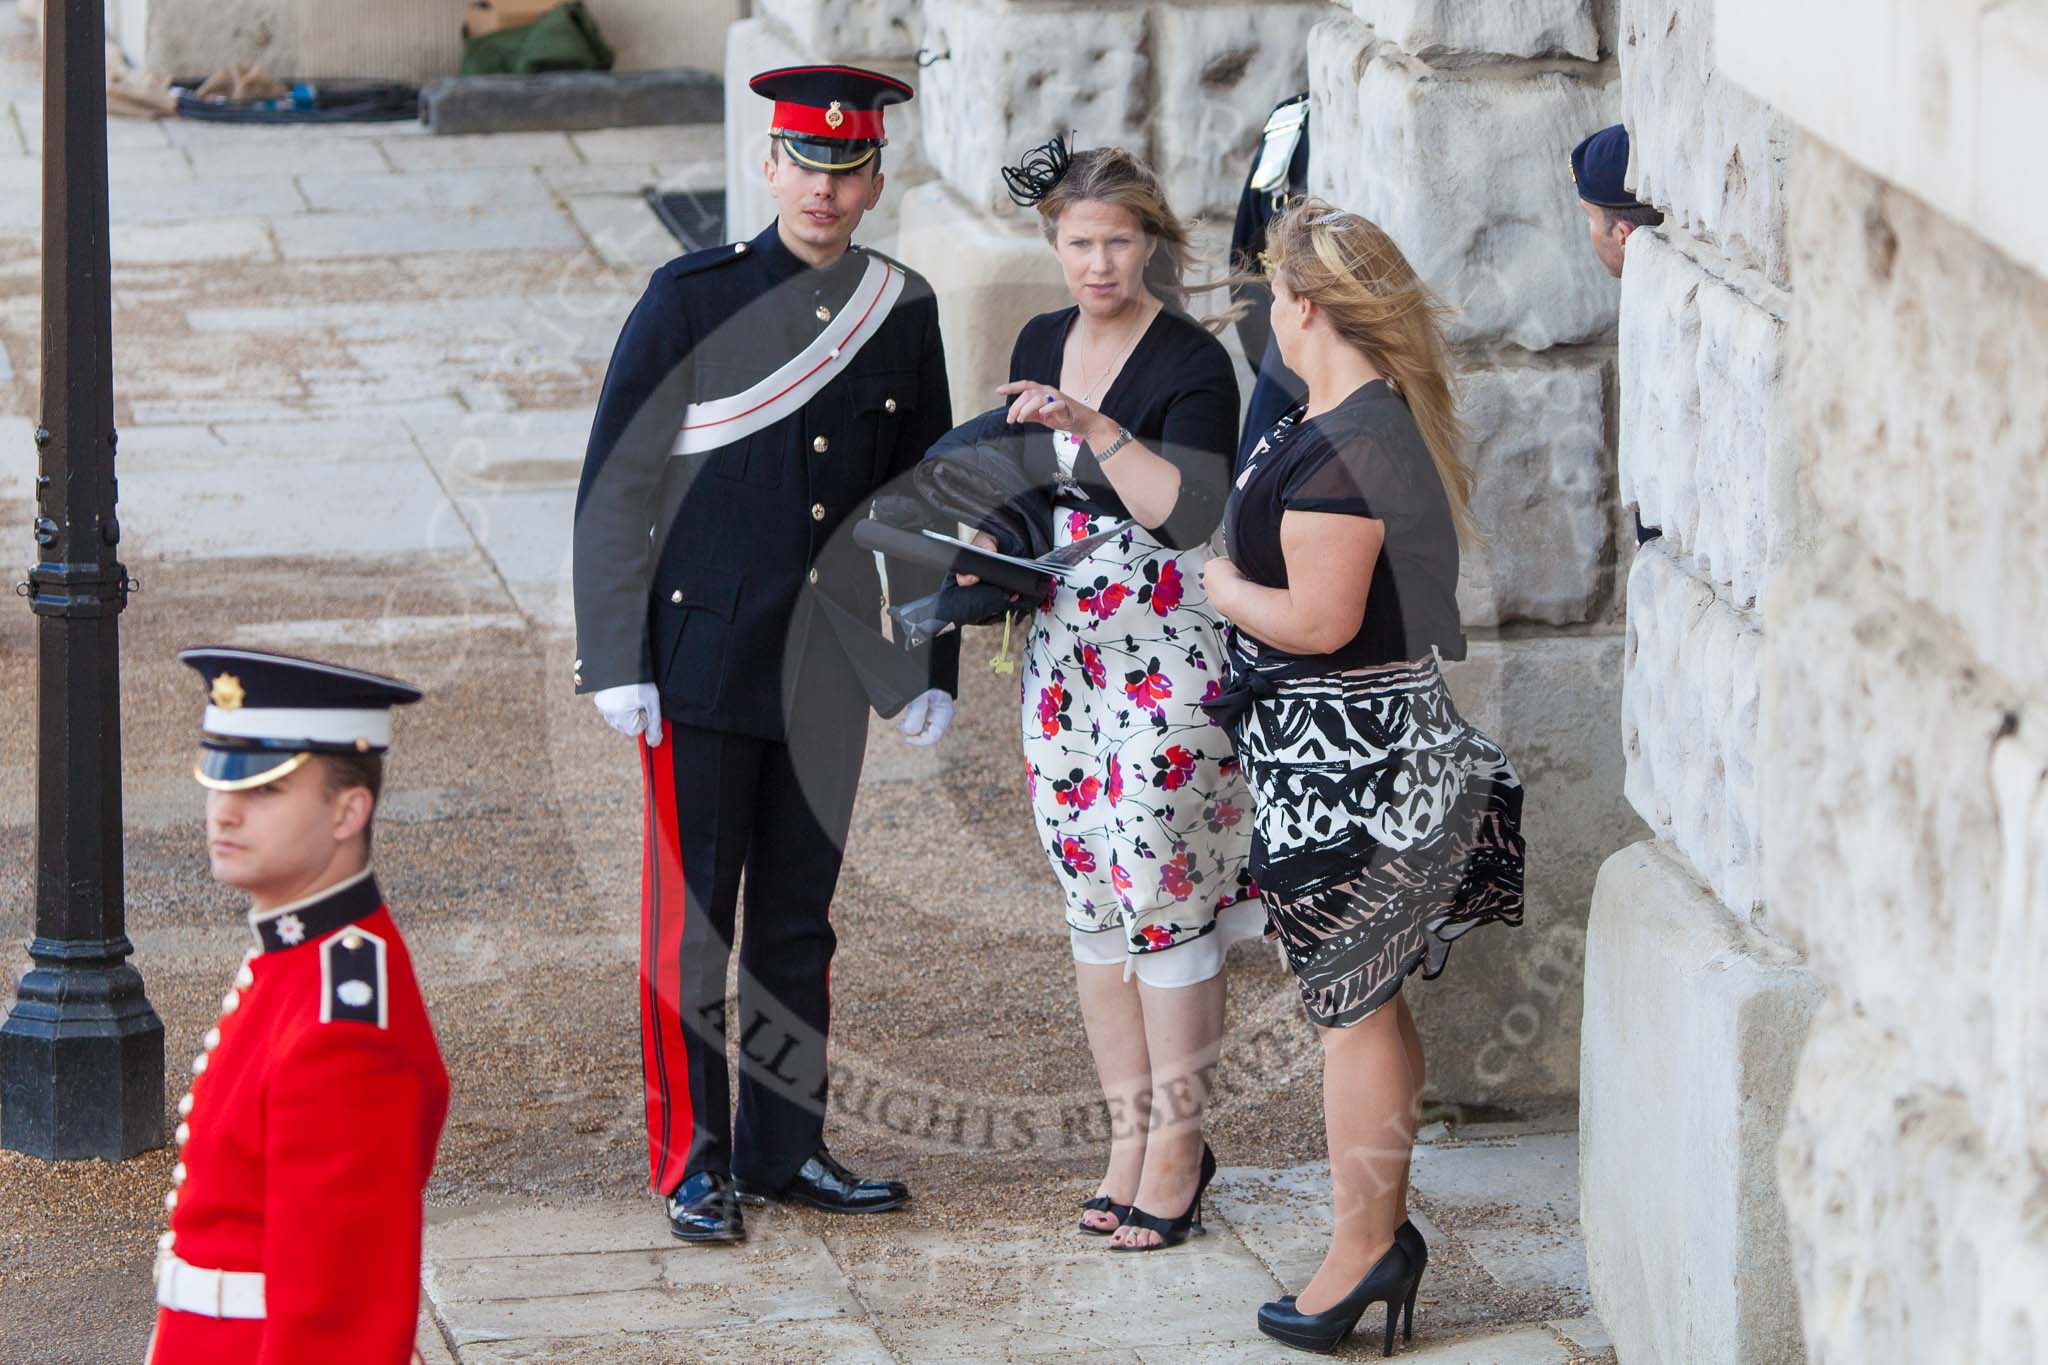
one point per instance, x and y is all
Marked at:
(266, 713)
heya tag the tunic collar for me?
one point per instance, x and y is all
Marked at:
(783, 264)
(317, 915)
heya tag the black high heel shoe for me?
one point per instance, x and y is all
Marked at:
(1173, 1231)
(1102, 1203)
(1392, 1281)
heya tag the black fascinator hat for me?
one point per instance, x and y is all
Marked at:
(1041, 168)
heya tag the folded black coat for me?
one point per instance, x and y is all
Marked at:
(974, 474)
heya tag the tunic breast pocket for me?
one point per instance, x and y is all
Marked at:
(880, 403)
(692, 632)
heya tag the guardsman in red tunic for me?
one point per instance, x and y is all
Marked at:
(308, 1134)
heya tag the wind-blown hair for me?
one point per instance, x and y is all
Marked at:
(1347, 266)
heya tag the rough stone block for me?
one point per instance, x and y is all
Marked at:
(1703, 454)
(198, 37)
(991, 277)
(848, 29)
(1918, 356)
(1468, 173)
(657, 34)
(1693, 1028)
(1544, 493)
(1689, 711)
(1510, 28)
(1905, 853)
(1221, 70)
(1892, 1180)
(1708, 153)
(570, 100)
(1015, 76)
(1507, 1031)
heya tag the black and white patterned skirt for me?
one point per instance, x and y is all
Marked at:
(1384, 827)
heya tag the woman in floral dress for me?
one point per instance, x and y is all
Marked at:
(1140, 807)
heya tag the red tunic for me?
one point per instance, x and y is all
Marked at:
(306, 1144)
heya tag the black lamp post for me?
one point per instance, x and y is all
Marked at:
(81, 1052)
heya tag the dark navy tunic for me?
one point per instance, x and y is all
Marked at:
(704, 573)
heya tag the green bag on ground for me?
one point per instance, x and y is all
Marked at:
(563, 39)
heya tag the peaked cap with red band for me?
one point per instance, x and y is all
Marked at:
(829, 118)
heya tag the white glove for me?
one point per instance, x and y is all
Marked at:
(631, 708)
(926, 719)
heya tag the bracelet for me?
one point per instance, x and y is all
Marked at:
(1123, 438)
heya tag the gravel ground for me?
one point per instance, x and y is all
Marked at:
(508, 843)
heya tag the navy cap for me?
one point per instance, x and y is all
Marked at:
(829, 118)
(1599, 165)
(266, 714)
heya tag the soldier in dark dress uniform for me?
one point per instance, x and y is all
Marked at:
(305, 1142)
(760, 395)
(1278, 177)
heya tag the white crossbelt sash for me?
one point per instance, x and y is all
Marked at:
(722, 421)
(208, 1293)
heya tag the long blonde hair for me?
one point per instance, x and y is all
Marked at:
(1348, 267)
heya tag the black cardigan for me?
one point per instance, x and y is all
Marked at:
(1178, 395)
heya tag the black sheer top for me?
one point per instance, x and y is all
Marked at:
(1365, 458)
(1177, 393)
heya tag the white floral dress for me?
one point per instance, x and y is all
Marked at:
(1140, 806)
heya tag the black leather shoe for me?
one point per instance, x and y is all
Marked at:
(823, 1183)
(704, 1208)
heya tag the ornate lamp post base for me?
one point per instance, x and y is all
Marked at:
(81, 1060)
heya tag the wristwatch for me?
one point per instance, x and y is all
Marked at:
(1123, 438)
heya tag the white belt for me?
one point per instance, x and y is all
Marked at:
(209, 1293)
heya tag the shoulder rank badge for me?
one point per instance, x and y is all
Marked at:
(1277, 144)
(353, 979)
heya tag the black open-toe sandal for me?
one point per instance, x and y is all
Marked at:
(1102, 1203)
(1173, 1231)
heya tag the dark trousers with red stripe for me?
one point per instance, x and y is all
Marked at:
(718, 805)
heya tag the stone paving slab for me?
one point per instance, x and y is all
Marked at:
(349, 235)
(606, 1283)
(220, 239)
(470, 152)
(497, 190)
(283, 154)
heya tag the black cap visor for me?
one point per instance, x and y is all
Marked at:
(236, 770)
(829, 153)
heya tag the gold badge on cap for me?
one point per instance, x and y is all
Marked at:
(227, 692)
(833, 116)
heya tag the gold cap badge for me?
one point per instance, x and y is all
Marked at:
(227, 692)
(833, 116)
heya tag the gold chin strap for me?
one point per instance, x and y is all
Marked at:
(242, 784)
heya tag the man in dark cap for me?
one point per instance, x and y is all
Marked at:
(308, 1134)
(760, 395)
(1599, 166)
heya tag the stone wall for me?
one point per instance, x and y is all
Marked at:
(405, 40)
(1697, 1003)
(1903, 763)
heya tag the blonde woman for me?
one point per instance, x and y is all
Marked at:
(1384, 826)
(1131, 408)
